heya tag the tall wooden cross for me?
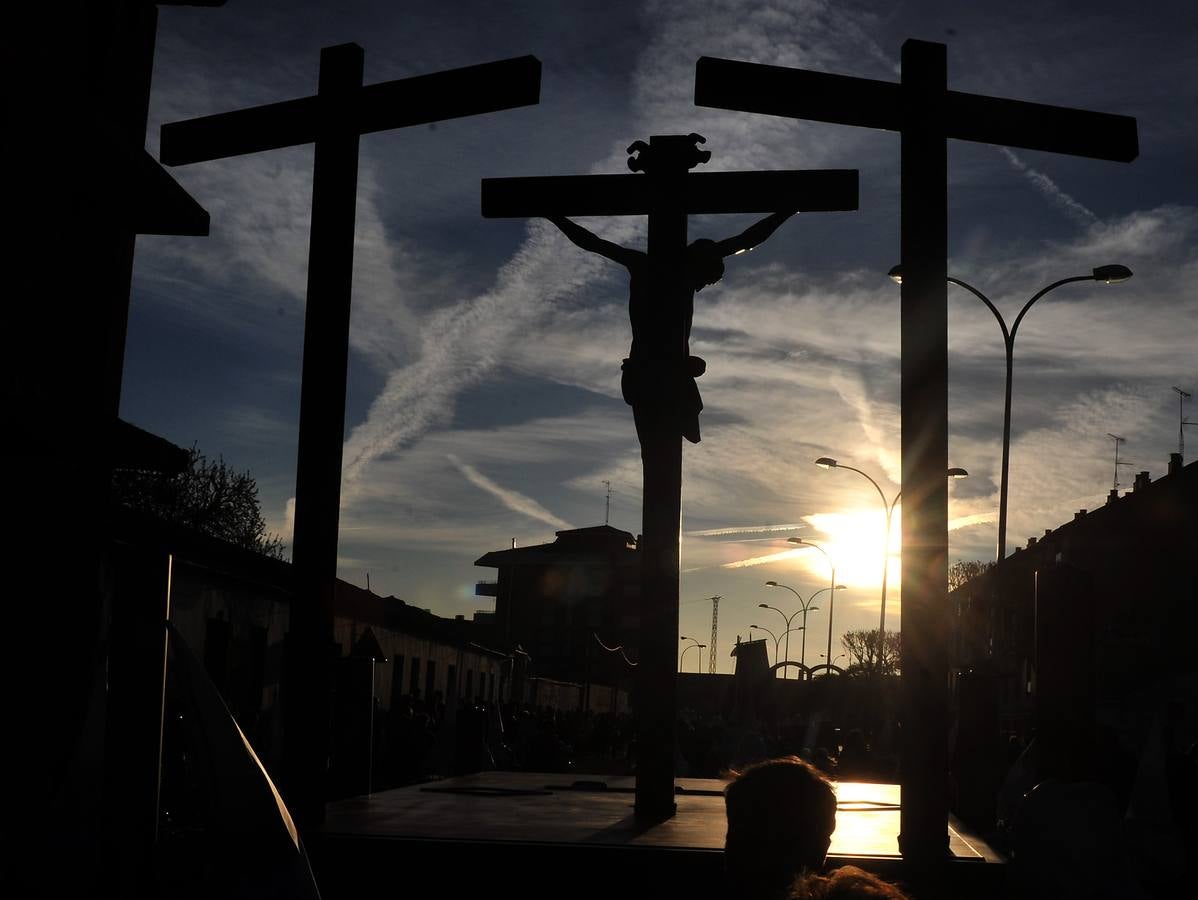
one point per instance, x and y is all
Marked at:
(341, 111)
(926, 113)
(667, 193)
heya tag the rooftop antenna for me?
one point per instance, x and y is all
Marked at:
(607, 506)
(1182, 421)
(1118, 440)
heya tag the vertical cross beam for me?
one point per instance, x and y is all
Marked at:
(661, 453)
(308, 705)
(924, 445)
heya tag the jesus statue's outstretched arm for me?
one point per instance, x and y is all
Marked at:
(754, 234)
(588, 241)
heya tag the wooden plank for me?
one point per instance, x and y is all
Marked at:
(541, 808)
(923, 395)
(825, 190)
(239, 132)
(452, 94)
(797, 93)
(1037, 126)
(844, 100)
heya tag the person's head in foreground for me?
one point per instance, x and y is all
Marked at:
(781, 815)
(845, 883)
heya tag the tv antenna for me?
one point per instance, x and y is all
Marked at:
(607, 505)
(1182, 421)
(1118, 440)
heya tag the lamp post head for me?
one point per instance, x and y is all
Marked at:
(772, 583)
(826, 462)
(841, 587)
(957, 472)
(1112, 274)
(896, 274)
(794, 541)
(685, 638)
(763, 606)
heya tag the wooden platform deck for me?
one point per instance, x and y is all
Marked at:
(557, 823)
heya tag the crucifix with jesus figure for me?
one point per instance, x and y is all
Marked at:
(659, 373)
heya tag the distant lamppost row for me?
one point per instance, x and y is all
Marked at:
(831, 591)
(804, 606)
(831, 582)
(826, 462)
(1112, 274)
(690, 647)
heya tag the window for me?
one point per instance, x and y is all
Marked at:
(414, 688)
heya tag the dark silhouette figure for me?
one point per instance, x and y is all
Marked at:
(650, 381)
(856, 762)
(781, 815)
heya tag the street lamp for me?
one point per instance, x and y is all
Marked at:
(831, 582)
(1112, 274)
(824, 656)
(827, 462)
(689, 647)
(805, 607)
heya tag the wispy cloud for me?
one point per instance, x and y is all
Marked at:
(745, 529)
(761, 560)
(1050, 189)
(513, 500)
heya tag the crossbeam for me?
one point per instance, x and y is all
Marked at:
(842, 99)
(826, 190)
(452, 94)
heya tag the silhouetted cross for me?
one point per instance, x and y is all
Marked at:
(926, 113)
(341, 111)
(667, 193)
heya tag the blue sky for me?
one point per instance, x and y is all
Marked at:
(483, 399)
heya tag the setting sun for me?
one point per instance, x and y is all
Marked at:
(853, 540)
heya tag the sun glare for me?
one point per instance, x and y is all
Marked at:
(854, 541)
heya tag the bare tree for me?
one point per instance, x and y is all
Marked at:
(208, 496)
(868, 654)
(965, 570)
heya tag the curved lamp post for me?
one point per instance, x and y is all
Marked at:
(824, 657)
(832, 586)
(827, 462)
(688, 647)
(776, 639)
(804, 608)
(1112, 274)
